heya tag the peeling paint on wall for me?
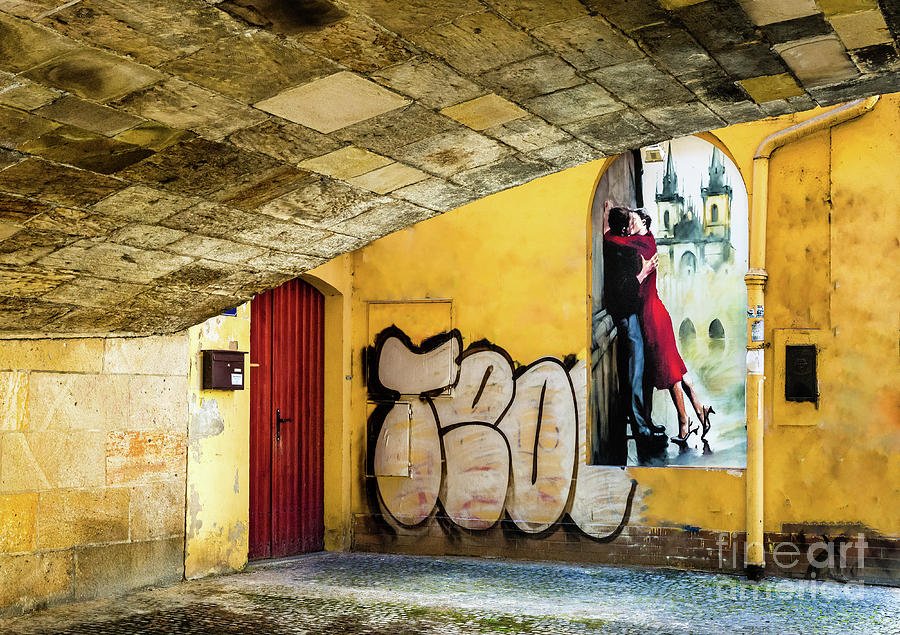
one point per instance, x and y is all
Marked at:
(237, 533)
(206, 420)
(218, 456)
(194, 510)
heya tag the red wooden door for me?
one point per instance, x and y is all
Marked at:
(286, 421)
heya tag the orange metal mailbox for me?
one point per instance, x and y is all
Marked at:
(223, 370)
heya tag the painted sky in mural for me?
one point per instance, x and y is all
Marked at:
(669, 305)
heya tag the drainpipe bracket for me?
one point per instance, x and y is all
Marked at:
(756, 277)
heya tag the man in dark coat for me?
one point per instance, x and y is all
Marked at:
(624, 270)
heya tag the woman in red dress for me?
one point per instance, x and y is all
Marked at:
(663, 362)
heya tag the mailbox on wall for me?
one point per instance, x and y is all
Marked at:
(223, 370)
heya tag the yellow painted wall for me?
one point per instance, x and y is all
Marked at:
(832, 247)
(515, 266)
(218, 455)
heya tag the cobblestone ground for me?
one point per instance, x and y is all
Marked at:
(399, 595)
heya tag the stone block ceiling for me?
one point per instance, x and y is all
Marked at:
(161, 160)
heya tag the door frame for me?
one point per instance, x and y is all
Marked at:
(337, 408)
(338, 416)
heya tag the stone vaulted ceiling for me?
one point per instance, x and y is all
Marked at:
(161, 160)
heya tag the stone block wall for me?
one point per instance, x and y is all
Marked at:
(92, 466)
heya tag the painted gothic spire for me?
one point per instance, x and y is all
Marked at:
(717, 184)
(670, 179)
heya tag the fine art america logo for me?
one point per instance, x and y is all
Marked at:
(841, 559)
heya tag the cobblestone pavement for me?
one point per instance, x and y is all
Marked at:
(399, 595)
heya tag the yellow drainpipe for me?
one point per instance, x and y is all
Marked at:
(755, 279)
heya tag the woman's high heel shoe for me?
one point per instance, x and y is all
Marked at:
(707, 410)
(682, 442)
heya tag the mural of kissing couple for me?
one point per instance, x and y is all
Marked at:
(648, 355)
(669, 249)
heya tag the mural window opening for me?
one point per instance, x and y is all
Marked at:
(669, 235)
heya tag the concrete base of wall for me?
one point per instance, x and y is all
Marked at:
(36, 580)
(796, 554)
(114, 569)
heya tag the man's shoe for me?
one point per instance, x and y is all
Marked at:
(646, 434)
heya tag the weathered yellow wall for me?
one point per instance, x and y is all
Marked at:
(832, 248)
(218, 455)
(92, 478)
(515, 266)
(513, 263)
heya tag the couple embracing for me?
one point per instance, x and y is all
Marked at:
(648, 354)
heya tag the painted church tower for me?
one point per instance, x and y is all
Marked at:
(692, 241)
(716, 199)
(669, 202)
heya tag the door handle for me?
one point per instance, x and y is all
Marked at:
(278, 421)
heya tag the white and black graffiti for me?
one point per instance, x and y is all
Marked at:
(470, 437)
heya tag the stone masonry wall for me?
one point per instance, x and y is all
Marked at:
(92, 467)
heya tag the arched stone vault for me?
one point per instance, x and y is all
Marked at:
(161, 160)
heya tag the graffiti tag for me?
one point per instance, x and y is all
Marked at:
(469, 434)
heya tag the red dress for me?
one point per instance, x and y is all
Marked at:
(662, 361)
